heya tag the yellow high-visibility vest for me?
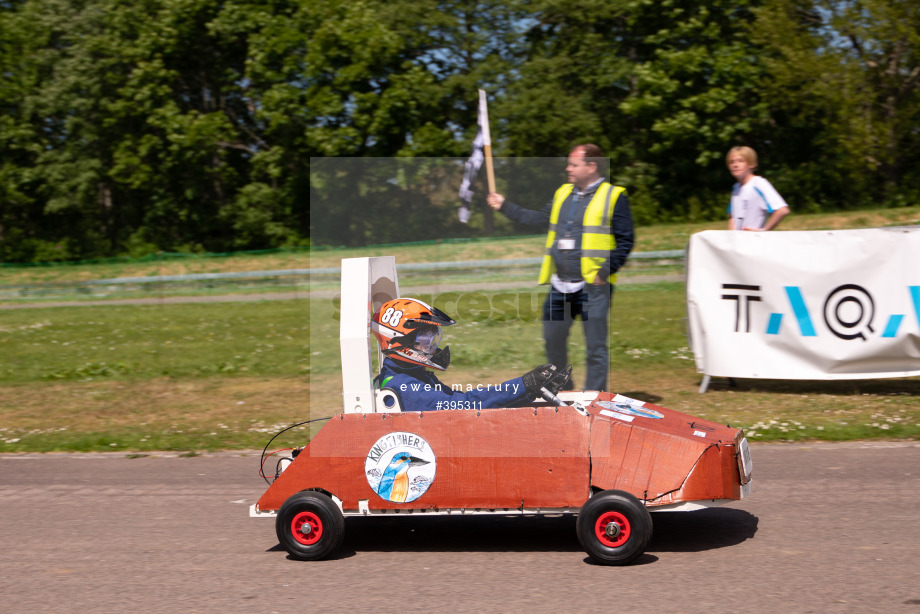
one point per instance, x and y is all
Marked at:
(597, 239)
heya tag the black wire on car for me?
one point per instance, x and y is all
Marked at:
(263, 458)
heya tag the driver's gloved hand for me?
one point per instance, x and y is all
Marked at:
(559, 380)
(537, 379)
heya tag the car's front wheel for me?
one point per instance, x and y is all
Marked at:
(310, 526)
(614, 527)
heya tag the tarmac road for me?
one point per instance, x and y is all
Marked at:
(829, 528)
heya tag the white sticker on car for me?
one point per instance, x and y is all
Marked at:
(631, 408)
(618, 416)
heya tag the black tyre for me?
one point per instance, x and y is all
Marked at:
(614, 527)
(310, 526)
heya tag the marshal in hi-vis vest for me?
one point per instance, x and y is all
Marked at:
(597, 235)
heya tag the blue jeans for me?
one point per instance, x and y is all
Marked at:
(592, 305)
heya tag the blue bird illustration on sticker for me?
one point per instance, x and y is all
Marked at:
(394, 485)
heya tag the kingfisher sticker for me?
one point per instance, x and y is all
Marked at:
(630, 407)
(400, 467)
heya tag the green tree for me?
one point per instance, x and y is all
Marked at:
(17, 139)
(193, 124)
(694, 96)
(845, 77)
(135, 125)
(664, 87)
(385, 79)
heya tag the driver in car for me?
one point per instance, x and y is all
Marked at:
(409, 332)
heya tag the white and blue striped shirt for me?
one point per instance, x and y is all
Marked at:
(753, 202)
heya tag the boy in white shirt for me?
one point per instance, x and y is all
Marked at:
(755, 203)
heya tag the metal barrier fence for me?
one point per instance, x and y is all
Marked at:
(642, 267)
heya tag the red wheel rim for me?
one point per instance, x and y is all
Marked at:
(312, 522)
(619, 538)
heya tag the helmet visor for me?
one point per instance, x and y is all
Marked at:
(428, 339)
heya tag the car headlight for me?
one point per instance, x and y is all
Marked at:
(745, 463)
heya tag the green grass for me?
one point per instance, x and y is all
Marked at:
(216, 376)
(213, 376)
(142, 342)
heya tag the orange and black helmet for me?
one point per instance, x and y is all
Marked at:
(410, 331)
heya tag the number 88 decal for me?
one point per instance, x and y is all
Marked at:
(391, 316)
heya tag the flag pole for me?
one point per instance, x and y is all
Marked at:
(486, 139)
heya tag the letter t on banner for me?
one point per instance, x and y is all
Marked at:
(482, 150)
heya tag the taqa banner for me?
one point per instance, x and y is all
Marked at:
(841, 304)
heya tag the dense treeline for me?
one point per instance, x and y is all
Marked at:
(129, 126)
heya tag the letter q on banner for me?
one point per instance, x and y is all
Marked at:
(848, 312)
(805, 305)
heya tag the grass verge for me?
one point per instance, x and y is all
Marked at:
(217, 376)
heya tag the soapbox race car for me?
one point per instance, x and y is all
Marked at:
(608, 458)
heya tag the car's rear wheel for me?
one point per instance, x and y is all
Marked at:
(310, 526)
(614, 527)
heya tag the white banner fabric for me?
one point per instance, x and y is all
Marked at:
(842, 304)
